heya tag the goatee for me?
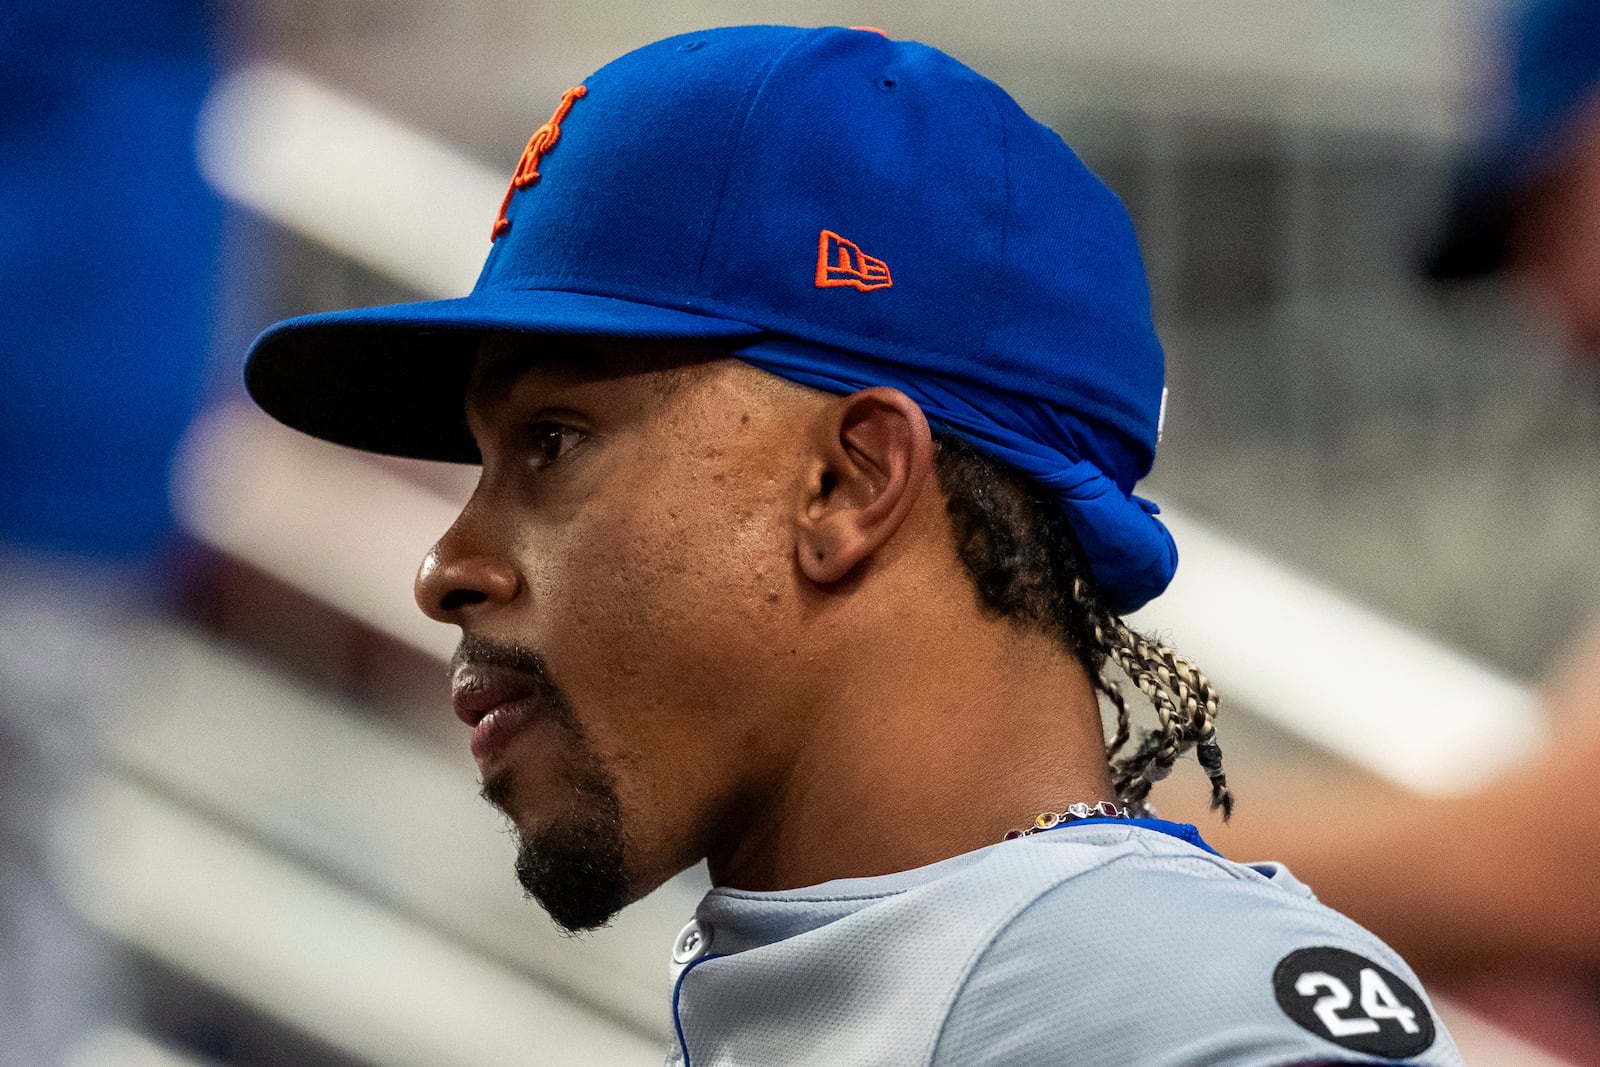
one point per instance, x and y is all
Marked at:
(571, 865)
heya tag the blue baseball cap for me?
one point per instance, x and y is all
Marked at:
(837, 208)
(1554, 48)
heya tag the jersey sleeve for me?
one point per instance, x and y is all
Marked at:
(1208, 970)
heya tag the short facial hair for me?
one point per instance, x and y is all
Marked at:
(572, 865)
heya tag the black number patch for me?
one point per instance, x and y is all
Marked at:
(1352, 1002)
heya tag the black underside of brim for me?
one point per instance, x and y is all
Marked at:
(397, 391)
(1474, 242)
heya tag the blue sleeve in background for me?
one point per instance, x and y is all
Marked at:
(108, 247)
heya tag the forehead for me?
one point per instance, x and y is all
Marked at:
(509, 364)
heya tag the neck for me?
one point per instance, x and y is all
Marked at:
(928, 752)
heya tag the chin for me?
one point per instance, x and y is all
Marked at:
(581, 884)
(572, 863)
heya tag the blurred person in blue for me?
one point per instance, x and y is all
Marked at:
(1493, 889)
(107, 244)
(1528, 203)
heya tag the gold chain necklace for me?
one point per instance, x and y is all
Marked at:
(1049, 820)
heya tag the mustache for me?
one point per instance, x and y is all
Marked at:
(483, 652)
(477, 651)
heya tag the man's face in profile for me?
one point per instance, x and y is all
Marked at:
(622, 578)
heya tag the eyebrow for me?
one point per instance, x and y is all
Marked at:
(492, 385)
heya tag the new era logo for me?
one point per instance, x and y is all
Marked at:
(841, 262)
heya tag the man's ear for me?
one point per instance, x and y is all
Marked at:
(873, 454)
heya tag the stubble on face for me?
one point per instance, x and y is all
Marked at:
(572, 864)
(650, 560)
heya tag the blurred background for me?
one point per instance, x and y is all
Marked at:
(266, 833)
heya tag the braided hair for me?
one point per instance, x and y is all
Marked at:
(1025, 561)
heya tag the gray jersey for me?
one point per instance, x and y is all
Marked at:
(1098, 944)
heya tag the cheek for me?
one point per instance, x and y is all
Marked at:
(1566, 282)
(663, 607)
(1562, 266)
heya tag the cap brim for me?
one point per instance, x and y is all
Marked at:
(393, 379)
(1476, 236)
(1489, 190)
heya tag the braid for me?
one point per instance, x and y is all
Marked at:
(1110, 690)
(1185, 703)
(1025, 561)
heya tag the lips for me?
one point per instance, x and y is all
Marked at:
(497, 704)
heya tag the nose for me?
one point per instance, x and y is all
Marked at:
(462, 578)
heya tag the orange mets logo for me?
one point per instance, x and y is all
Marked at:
(543, 139)
(841, 262)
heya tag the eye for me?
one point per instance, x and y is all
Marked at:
(550, 442)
